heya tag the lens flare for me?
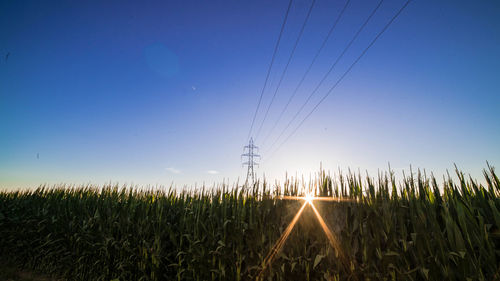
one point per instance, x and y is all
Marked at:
(281, 241)
(331, 237)
(308, 198)
(314, 198)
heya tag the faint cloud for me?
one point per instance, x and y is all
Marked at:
(193, 87)
(173, 170)
(212, 172)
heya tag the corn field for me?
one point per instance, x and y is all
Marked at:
(411, 229)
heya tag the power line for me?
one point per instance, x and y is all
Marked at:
(307, 71)
(342, 77)
(270, 66)
(286, 66)
(328, 72)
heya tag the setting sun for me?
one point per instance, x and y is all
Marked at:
(257, 140)
(309, 198)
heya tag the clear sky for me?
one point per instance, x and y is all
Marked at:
(155, 92)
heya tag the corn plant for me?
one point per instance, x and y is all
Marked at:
(417, 229)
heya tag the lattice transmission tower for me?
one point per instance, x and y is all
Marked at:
(250, 154)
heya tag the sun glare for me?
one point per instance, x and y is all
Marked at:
(309, 198)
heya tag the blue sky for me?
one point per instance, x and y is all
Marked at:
(158, 92)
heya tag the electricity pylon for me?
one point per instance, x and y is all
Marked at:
(250, 163)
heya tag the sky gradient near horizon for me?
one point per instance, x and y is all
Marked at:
(161, 92)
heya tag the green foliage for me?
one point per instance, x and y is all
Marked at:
(417, 230)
